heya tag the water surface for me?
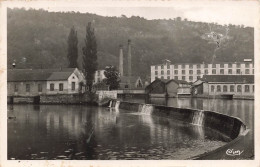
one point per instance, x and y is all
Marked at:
(84, 132)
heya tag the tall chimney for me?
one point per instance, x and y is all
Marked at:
(129, 59)
(121, 69)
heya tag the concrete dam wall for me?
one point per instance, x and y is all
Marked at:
(230, 127)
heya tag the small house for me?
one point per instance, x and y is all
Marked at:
(168, 88)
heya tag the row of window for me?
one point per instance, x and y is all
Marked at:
(231, 88)
(238, 71)
(28, 87)
(182, 78)
(238, 65)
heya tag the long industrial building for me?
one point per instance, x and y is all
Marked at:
(190, 72)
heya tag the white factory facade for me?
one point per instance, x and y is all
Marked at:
(191, 72)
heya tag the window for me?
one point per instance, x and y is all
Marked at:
(198, 71)
(213, 65)
(198, 77)
(212, 88)
(156, 67)
(168, 77)
(253, 71)
(175, 71)
(27, 87)
(183, 66)
(238, 88)
(190, 78)
(176, 77)
(225, 88)
(168, 72)
(206, 66)
(162, 72)
(139, 85)
(247, 65)
(229, 71)
(156, 72)
(238, 65)
(61, 87)
(206, 71)
(238, 71)
(175, 66)
(183, 78)
(168, 66)
(51, 87)
(183, 71)
(247, 71)
(198, 65)
(15, 88)
(161, 66)
(72, 85)
(218, 88)
(190, 66)
(247, 88)
(221, 65)
(190, 71)
(213, 71)
(231, 88)
(39, 87)
(253, 88)
(221, 71)
(126, 86)
(229, 65)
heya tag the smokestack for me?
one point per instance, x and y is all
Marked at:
(121, 70)
(129, 59)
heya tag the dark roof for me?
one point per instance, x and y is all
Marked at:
(124, 79)
(175, 80)
(59, 76)
(14, 75)
(229, 78)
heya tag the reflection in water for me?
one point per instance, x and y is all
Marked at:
(84, 132)
(243, 109)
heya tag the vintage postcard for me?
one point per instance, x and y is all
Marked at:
(129, 83)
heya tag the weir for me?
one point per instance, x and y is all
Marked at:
(229, 126)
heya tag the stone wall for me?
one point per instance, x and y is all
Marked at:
(66, 99)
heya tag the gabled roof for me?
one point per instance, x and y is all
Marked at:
(15, 75)
(59, 76)
(174, 80)
(229, 78)
(132, 79)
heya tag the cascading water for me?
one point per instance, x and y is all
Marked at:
(117, 105)
(110, 104)
(146, 109)
(198, 118)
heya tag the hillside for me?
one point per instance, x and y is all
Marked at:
(37, 38)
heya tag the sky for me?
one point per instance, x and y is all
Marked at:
(228, 12)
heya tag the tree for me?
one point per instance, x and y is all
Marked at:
(90, 56)
(112, 77)
(72, 48)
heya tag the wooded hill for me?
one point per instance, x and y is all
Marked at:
(38, 38)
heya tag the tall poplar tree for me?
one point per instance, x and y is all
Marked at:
(72, 48)
(90, 56)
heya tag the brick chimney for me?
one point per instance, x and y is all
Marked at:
(121, 68)
(129, 59)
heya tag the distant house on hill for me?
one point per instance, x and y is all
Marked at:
(33, 82)
(225, 85)
(168, 88)
(133, 82)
